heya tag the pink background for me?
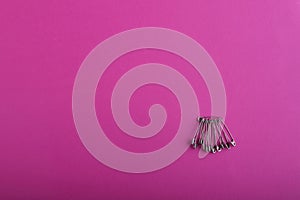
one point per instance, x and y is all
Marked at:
(255, 45)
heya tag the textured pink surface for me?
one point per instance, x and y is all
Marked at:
(255, 45)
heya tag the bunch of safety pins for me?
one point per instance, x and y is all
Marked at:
(212, 135)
